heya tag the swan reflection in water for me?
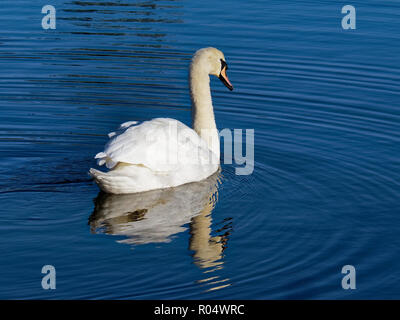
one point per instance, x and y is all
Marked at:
(155, 216)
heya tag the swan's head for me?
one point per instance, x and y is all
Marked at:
(212, 61)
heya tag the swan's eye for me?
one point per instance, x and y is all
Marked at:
(223, 65)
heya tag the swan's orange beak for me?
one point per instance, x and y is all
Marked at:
(224, 78)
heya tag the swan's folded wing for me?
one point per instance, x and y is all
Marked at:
(161, 144)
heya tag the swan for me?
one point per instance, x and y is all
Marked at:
(163, 152)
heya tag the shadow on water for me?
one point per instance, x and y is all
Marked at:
(156, 216)
(119, 18)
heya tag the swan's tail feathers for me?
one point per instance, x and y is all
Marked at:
(103, 158)
(110, 182)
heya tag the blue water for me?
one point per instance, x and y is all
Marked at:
(325, 106)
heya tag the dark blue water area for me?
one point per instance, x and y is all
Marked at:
(325, 106)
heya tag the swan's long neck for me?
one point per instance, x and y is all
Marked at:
(203, 120)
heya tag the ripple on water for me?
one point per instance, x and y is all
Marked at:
(324, 192)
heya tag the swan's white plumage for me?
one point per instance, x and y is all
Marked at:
(161, 144)
(163, 152)
(159, 153)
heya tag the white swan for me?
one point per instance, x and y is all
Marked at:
(163, 152)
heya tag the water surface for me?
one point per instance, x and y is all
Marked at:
(324, 103)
